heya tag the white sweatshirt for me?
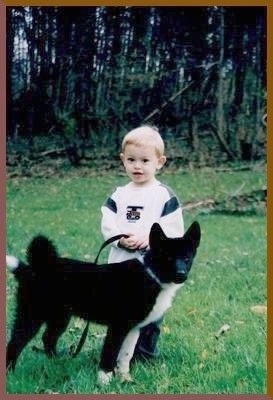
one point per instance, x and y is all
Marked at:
(132, 209)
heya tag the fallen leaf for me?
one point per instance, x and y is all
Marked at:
(192, 311)
(239, 322)
(224, 328)
(259, 309)
(98, 335)
(79, 323)
(204, 354)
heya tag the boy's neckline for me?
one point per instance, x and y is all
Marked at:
(143, 186)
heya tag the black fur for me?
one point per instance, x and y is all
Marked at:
(51, 289)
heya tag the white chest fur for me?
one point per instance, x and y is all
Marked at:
(163, 302)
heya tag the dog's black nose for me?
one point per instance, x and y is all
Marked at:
(182, 269)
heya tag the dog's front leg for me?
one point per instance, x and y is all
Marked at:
(112, 344)
(126, 353)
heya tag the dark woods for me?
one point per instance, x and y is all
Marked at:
(82, 76)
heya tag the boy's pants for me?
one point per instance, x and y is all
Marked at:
(146, 346)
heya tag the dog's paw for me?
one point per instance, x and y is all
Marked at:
(123, 376)
(104, 378)
(12, 262)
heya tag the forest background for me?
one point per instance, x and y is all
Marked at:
(78, 78)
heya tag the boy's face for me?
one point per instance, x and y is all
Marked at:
(141, 163)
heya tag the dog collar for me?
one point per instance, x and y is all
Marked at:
(153, 276)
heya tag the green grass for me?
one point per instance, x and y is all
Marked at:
(227, 279)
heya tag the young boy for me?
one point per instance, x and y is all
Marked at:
(132, 209)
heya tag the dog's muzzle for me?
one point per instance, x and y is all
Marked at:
(182, 270)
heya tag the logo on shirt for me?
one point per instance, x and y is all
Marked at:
(133, 213)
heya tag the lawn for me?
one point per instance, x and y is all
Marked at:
(227, 280)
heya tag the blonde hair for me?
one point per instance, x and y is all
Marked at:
(143, 136)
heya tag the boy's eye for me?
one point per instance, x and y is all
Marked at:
(145, 160)
(130, 159)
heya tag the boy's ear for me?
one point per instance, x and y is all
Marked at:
(161, 161)
(122, 157)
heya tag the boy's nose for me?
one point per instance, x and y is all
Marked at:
(137, 165)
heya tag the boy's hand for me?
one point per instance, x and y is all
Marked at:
(133, 242)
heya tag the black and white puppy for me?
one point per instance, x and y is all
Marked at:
(124, 296)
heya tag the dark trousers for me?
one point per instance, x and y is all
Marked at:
(147, 342)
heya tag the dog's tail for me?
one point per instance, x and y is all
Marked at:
(12, 263)
(41, 253)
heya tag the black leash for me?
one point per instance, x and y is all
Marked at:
(85, 331)
(109, 241)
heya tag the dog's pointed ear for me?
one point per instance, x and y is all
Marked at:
(193, 233)
(156, 234)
